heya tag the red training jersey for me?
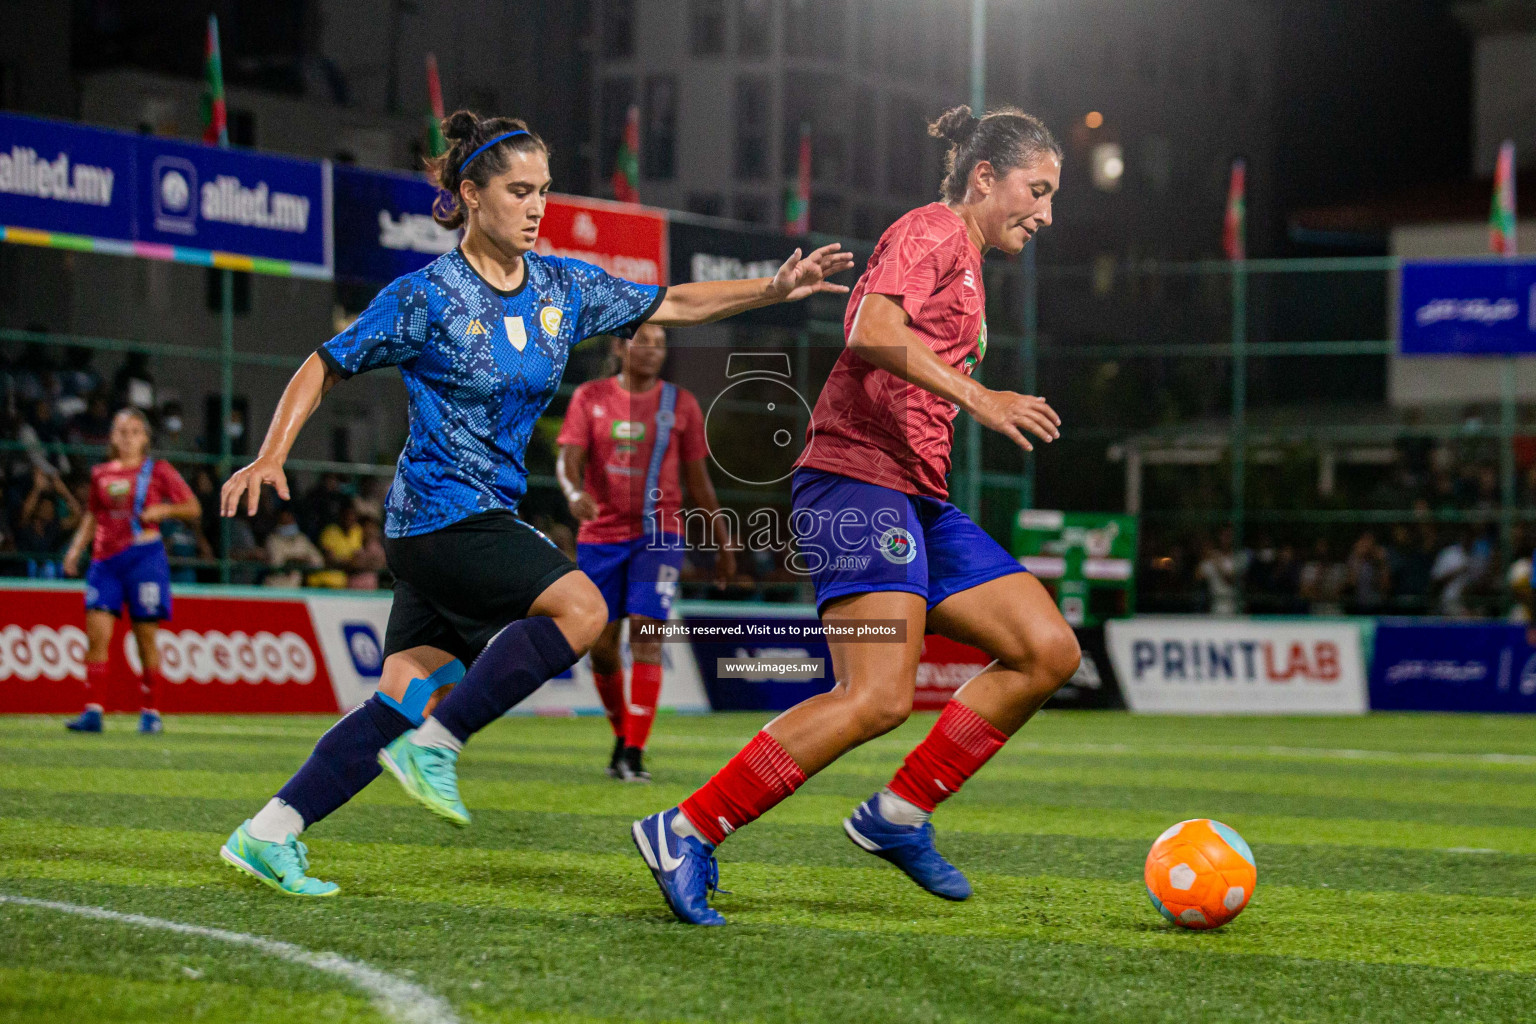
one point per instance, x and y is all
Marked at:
(111, 502)
(618, 430)
(868, 423)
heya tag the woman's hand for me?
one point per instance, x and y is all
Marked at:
(246, 484)
(154, 514)
(800, 277)
(1007, 412)
(583, 506)
(72, 562)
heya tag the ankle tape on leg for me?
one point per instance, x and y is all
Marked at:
(419, 691)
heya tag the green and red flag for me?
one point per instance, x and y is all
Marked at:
(436, 144)
(215, 116)
(797, 197)
(1501, 217)
(1234, 234)
(626, 168)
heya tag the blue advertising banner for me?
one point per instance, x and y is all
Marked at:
(66, 186)
(237, 202)
(1468, 309)
(1436, 666)
(57, 177)
(384, 225)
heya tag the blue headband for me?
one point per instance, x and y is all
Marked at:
(471, 158)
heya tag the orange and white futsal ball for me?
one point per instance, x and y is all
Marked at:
(1200, 874)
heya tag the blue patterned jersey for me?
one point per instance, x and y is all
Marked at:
(480, 365)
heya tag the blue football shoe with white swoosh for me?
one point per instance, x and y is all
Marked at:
(909, 847)
(685, 869)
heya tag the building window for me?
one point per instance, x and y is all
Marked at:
(751, 210)
(753, 118)
(617, 96)
(706, 27)
(754, 27)
(815, 28)
(659, 127)
(706, 204)
(618, 28)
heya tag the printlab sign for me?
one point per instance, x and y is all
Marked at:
(1468, 308)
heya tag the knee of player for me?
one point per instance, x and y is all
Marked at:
(583, 619)
(1058, 653)
(877, 716)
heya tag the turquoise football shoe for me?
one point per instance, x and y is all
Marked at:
(280, 865)
(429, 774)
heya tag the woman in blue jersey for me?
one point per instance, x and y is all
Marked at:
(484, 604)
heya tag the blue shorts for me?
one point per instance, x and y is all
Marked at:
(635, 579)
(140, 576)
(856, 538)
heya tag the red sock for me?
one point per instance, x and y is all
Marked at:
(96, 682)
(610, 688)
(644, 689)
(753, 781)
(959, 743)
(149, 685)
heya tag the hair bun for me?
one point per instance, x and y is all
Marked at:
(955, 125)
(460, 125)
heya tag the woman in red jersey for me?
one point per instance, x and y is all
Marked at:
(131, 494)
(881, 542)
(629, 440)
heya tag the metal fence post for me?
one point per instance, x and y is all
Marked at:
(1239, 440)
(1506, 460)
(226, 405)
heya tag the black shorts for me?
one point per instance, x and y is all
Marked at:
(457, 587)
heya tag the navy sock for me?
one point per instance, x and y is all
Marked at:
(344, 761)
(518, 661)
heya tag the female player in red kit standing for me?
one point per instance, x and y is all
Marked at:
(130, 494)
(628, 440)
(876, 460)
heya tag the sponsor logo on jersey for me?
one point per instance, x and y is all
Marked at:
(627, 430)
(118, 488)
(517, 334)
(475, 327)
(896, 546)
(549, 319)
(981, 340)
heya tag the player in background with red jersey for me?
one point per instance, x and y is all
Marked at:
(628, 443)
(131, 494)
(881, 542)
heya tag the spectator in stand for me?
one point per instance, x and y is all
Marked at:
(340, 542)
(1409, 562)
(370, 499)
(42, 530)
(1322, 580)
(290, 553)
(1369, 575)
(1221, 571)
(78, 378)
(172, 435)
(43, 428)
(322, 504)
(94, 424)
(369, 560)
(133, 385)
(1452, 573)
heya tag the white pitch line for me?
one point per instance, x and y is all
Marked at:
(394, 997)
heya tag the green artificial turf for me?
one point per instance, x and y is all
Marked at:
(1397, 879)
